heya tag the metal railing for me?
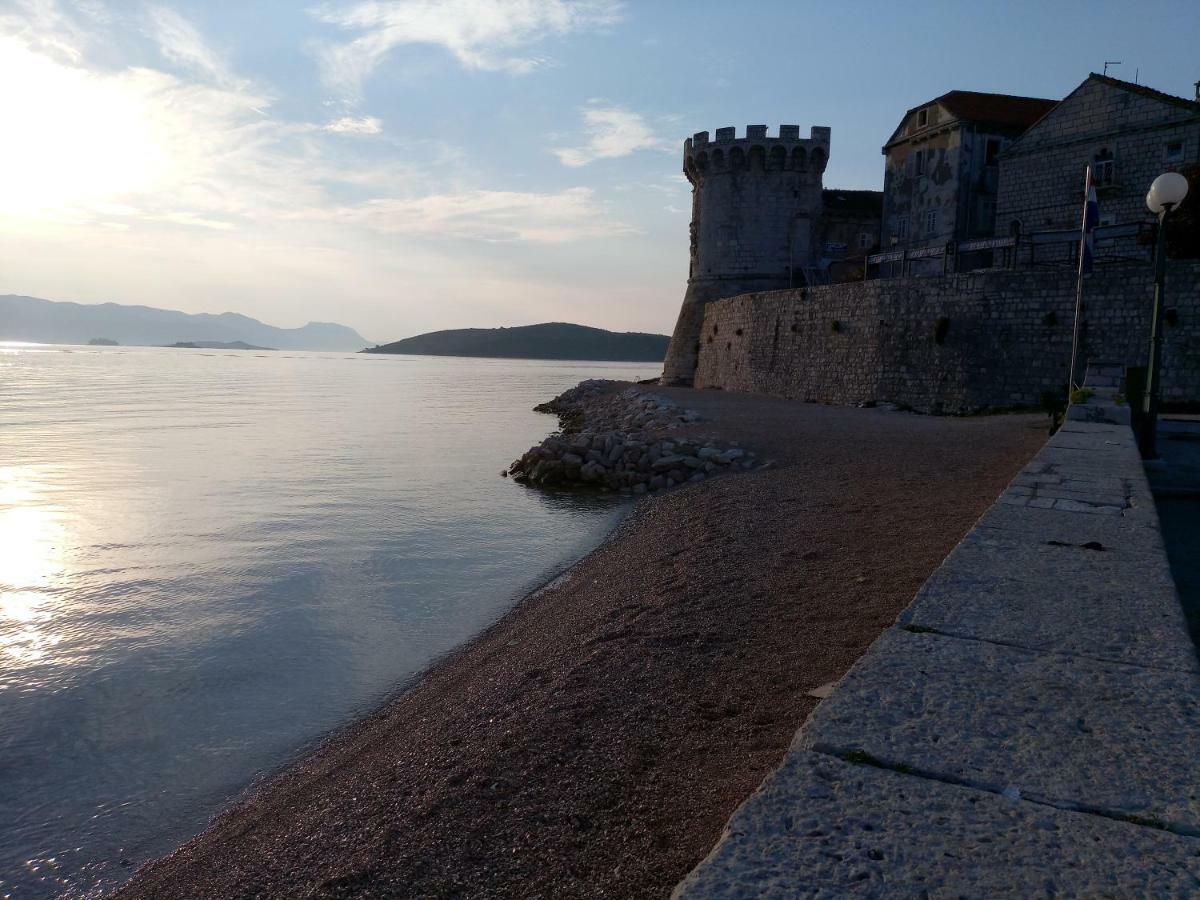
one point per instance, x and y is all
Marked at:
(1129, 242)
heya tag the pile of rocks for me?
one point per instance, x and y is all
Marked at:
(613, 440)
(594, 403)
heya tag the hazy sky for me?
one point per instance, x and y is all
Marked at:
(410, 165)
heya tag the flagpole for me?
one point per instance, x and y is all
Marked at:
(1083, 238)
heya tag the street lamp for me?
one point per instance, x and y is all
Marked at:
(1165, 194)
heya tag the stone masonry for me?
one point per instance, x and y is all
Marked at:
(956, 344)
(756, 206)
(1130, 134)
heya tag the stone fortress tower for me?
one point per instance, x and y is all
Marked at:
(756, 212)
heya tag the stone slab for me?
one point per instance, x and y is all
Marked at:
(1064, 730)
(1041, 525)
(1117, 567)
(1101, 412)
(1136, 624)
(822, 827)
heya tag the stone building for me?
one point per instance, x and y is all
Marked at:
(849, 230)
(1128, 133)
(942, 166)
(756, 210)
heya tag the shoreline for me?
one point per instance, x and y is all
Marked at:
(595, 738)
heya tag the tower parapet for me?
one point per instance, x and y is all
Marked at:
(756, 204)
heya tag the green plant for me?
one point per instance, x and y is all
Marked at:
(1119, 399)
(1081, 395)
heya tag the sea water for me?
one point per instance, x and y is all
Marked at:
(211, 559)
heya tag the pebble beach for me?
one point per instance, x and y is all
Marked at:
(595, 740)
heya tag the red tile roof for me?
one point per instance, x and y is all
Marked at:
(995, 109)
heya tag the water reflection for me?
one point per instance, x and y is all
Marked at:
(208, 561)
(32, 538)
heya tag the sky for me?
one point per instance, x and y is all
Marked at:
(401, 166)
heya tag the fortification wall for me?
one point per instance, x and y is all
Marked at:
(756, 208)
(1003, 338)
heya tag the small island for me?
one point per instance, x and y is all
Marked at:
(215, 345)
(550, 340)
(103, 342)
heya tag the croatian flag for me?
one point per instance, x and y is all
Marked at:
(1091, 218)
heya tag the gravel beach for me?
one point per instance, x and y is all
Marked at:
(594, 741)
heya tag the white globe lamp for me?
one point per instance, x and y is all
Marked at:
(1166, 193)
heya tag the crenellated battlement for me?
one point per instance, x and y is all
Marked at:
(727, 152)
(817, 134)
(756, 214)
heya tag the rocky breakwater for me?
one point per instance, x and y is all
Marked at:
(620, 440)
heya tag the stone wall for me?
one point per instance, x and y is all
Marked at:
(956, 344)
(756, 208)
(1042, 175)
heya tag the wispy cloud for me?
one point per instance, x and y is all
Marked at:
(557, 217)
(182, 44)
(481, 34)
(202, 148)
(612, 132)
(353, 125)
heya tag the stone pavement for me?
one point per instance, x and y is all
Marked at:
(1029, 727)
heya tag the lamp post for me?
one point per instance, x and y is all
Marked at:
(1165, 194)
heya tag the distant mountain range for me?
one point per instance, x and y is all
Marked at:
(52, 322)
(552, 340)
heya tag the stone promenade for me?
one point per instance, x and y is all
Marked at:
(1029, 727)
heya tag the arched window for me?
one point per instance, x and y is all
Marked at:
(758, 157)
(818, 159)
(778, 157)
(718, 159)
(799, 159)
(737, 158)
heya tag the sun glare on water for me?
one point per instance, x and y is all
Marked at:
(31, 550)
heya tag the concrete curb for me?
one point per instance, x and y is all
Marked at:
(1028, 727)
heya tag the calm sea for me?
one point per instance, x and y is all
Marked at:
(210, 559)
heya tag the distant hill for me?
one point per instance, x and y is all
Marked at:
(552, 340)
(51, 322)
(215, 345)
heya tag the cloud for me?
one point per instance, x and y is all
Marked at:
(352, 125)
(179, 176)
(46, 28)
(612, 132)
(481, 34)
(145, 149)
(568, 215)
(181, 43)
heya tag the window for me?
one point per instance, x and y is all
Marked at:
(919, 163)
(987, 211)
(923, 118)
(902, 228)
(931, 223)
(864, 240)
(991, 152)
(1104, 168)
(1173, 152)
